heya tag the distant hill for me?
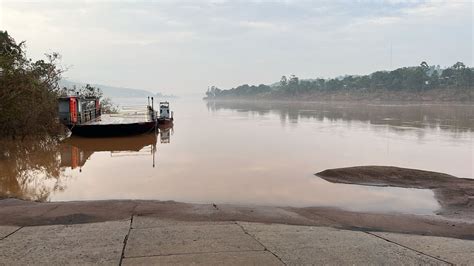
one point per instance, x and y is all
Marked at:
(116, 92)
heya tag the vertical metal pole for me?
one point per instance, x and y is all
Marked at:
(148, 100)
(153, 147)
(152, 109)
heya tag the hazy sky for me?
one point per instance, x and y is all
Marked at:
(184, 46)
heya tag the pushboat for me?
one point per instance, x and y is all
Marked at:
(166, 116)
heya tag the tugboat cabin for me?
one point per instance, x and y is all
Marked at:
(166, 115)
(165, 112)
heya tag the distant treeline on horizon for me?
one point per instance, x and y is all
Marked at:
(422, 82)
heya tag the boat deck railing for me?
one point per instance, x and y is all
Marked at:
(88, 115)
(126, 115)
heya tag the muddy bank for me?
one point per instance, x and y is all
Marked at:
(24, 213)
(455, 195)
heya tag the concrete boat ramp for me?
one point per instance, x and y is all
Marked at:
(161, 233)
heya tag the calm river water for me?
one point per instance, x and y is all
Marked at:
(254, 153)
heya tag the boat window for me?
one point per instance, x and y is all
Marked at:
(64, 107)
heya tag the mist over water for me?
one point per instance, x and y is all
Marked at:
(258, 153)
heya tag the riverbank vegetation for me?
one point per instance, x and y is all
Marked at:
(29, 91)
(419, 83)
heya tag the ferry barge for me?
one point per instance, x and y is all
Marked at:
(83, 116)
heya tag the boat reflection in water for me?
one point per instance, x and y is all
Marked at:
(165, 133)
(75, 151)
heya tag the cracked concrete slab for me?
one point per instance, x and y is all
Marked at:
(96, 243)
(140, 222)
(457, 251)
(165, 241)
(223, 258)
(323, 245)
(6, 230)
(174, 240)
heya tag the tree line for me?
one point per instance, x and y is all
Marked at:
(416, 79)
(29, 91)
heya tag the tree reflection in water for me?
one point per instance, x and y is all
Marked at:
(31, 170)
(454, 118)
(34, 170)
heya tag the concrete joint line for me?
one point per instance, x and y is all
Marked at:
(264, 247)
(11, 233)
(125, 241)
(403, 246)
(195, 253)
(133, 214)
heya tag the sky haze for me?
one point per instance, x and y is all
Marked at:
(182, 47)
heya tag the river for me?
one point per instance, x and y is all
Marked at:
(251, 153)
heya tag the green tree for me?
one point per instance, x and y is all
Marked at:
(424, 65)
(283, 81)
(28, 91)
(416, 79)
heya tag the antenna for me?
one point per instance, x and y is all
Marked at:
(391, 56)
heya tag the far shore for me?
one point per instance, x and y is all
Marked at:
(338, 101)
